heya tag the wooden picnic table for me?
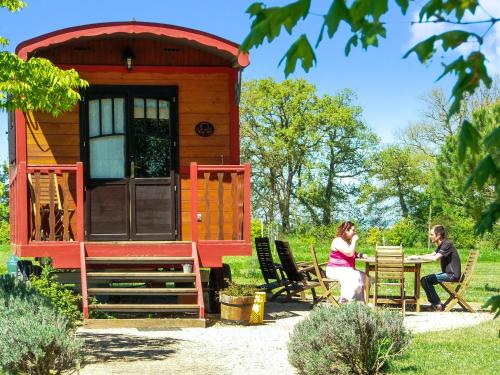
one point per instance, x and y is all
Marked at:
(410, 265)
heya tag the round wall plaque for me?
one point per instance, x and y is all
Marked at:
(204, 129)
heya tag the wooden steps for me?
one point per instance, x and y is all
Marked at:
(142, 291)
(131, 286)
(139, 260)
(137, 307)
(135, 276)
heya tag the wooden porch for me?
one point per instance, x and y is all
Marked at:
(48, 216)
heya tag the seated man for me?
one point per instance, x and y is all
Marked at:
(450, 265)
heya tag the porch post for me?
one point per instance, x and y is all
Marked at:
(247, 213)
(80, 237)
(193, 175)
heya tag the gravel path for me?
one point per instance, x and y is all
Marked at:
(223, 349)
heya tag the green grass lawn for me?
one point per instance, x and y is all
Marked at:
(484, 284)
(4, 255)
(473, 350)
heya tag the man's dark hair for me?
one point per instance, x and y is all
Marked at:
(439, 230)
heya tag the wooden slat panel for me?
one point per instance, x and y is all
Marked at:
(65, 206)
(220, 177)
(38, 219)
(234, 193)
(207, 206)
(52, 213)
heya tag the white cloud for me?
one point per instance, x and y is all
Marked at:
(491, 43)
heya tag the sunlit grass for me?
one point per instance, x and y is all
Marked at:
(473, 350)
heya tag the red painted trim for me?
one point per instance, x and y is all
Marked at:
(246, 204)
(234, 119)
(20, 136)
(148, 69)
(221, 168)
(199, 287)
(22, 213)
(133, 27)
(83, 274)
(80, 220)
(194, 201)
(57, 168)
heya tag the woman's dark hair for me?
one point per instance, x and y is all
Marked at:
(439, 230)
(344, 227)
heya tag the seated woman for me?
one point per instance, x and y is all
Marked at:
(341, 264)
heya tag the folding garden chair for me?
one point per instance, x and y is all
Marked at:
(457, 289)
(272, 272)
(299, 278)
(325, 283)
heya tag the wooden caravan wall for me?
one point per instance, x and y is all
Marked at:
(202, 97)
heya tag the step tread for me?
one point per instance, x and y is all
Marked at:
(138, 259)
(140, 274)
(144, 307)
(140, 291)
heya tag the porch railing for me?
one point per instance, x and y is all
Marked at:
(13, 204)
(220, 202)
(47, 203)
(55, 202)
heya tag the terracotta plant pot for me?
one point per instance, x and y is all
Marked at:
(236, 310)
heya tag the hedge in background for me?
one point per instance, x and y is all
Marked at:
(351, 339)
(35, 338)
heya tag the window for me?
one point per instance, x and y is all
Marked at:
(107, 137)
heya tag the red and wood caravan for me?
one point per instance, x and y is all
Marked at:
(145, 171)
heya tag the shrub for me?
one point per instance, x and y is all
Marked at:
(351, 339)
(35, 338)
(407, 233)
(63, 300)
(237, 290)
(374, 236)
(4, 232)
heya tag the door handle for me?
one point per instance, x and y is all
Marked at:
(132, 169)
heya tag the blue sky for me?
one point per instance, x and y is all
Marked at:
(388, 87)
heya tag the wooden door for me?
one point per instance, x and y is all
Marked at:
(130, 144)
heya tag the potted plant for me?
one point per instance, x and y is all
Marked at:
(236, 303)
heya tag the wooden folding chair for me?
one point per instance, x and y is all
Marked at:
(389, 272)
(299, 278)
(324, 282)
(272, 272)
(457, 289)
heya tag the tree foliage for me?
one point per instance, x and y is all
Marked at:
(397, 181)
(302, 148)
(35, 84)
(364, 18)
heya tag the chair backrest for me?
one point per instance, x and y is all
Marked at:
(469, 267)
(389, 263)
(288, 261)
(266, 259)
(317, 269)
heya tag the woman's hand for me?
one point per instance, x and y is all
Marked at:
(355, 238)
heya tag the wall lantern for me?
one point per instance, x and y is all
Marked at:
(128, 57)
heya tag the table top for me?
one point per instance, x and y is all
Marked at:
(406, 260)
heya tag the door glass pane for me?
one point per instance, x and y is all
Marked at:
(164, 110)
(106, 116)
(151, 109)
(152, 142)
(119, 108)
(107, 157)
(138, 108)
(94, 118)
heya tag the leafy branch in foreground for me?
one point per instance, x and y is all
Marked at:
(364, 19)
(36, 84)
